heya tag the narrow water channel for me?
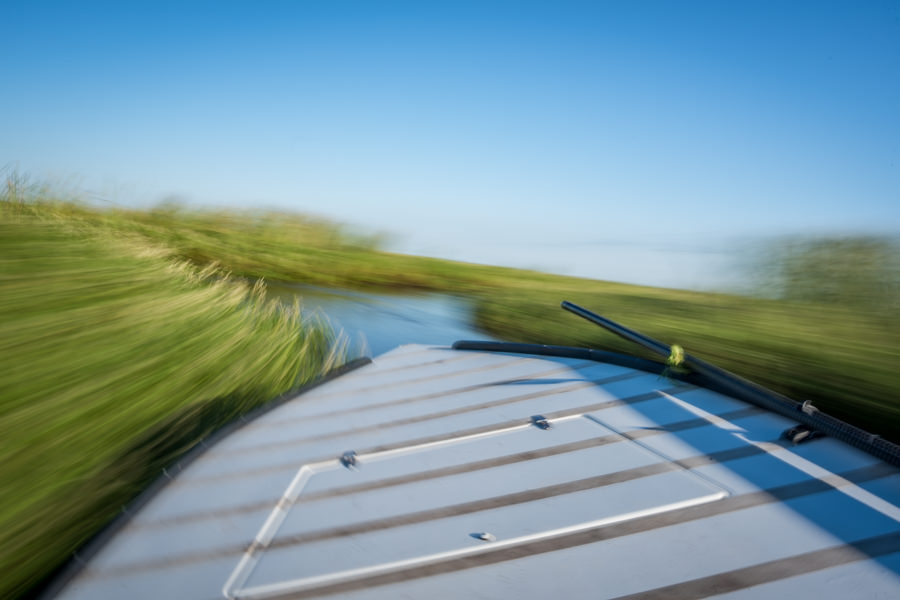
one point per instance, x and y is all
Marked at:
(377, 323)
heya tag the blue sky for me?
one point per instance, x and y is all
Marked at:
(545, 134)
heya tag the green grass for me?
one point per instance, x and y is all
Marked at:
(116, 360)
(844, 358)
(125, 350)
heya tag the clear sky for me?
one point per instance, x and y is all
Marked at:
(545, 134)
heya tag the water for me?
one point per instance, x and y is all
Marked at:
(377, 323)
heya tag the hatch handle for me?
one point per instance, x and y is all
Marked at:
(348, 459)
(540, 421)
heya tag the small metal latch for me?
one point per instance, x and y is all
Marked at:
(348, 458)
(540, 421)
(800, 433)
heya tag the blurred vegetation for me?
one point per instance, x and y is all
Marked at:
(116, 360)
(858, 271)
(134, 282)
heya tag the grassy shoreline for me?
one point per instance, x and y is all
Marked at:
(131, 341)
(842, 358)
(118, 359)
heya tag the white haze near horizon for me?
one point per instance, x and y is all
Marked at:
(711, 266)
(716, 256)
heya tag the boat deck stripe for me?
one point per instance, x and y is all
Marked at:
(426, 378)
(700, 460)
(603, 532)
(460, 410)
(429, 396)
(440, 437)
(741, 452)
(738, 579)
(447, 359)
(673, 517)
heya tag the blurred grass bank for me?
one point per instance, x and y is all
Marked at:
(116, 359)
(127, 334)
(827, 329)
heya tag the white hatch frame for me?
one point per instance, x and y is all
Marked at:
(237, 586)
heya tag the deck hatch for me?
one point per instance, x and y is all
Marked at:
(328, 528)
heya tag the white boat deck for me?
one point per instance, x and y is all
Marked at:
(452, 486)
